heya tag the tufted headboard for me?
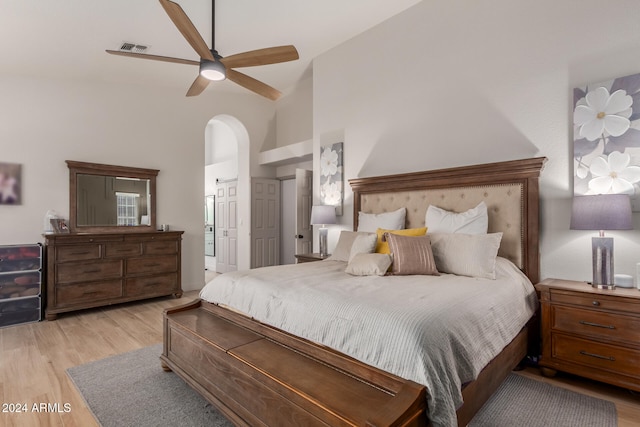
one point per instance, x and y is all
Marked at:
(509, 189)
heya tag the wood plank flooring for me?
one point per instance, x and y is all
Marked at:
(35, 356)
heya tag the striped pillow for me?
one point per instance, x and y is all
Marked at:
(411, 255)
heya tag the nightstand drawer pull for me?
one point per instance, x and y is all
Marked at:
(595, 303)
(598, 356)
(597, 325)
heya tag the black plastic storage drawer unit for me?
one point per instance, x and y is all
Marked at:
(20, 284)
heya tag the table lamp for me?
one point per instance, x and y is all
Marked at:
(602, 212)
(322, 215)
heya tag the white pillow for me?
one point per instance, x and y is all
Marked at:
(343, 247)
(363, 244)
(466, 254)
(370, 222)
(369, 265)
(473, 221)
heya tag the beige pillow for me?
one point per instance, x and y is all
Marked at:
(411, 255)
(363, 244)
(370, 222)
(343, 247)
(466, 254)
(369, 264)
(472, 221)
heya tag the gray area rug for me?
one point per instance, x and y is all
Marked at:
(131, 389)
(521, 401)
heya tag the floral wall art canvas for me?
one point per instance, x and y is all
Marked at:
(606, 138)
(10, 182)
(331, 176)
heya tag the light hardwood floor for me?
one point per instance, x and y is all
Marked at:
(35, 356)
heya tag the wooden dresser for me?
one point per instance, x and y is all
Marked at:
(591, 332)
(96, 269)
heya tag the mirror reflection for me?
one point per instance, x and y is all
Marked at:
(112, 201)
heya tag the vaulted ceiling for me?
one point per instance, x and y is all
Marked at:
(68, 38)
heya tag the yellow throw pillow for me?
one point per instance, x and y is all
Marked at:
(383, 247)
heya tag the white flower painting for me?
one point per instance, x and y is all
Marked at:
(331, 173)
(10, 183)
(606, 138)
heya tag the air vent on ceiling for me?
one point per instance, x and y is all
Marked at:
(132, 47)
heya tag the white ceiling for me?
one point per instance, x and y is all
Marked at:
(67, 38)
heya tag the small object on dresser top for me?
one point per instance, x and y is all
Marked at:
(623, 281)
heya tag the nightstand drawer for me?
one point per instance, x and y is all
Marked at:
(596, 324)
(604, 302)
(596, 355)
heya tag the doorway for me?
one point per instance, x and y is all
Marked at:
(227, 158)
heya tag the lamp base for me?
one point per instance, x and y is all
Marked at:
(322, 237)
(602, 252)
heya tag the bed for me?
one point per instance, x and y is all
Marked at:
(267, 363)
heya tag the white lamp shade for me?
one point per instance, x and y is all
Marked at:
(323, 214)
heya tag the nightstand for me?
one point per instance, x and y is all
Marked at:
(590, 332)
(310, 257)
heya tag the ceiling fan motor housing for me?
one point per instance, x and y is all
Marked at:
(213, 70)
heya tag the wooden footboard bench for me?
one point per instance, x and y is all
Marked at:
(257, 375)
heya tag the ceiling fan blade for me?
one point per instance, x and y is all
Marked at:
(153, 57)
(270, 55)
(253, 85)
(198, 85)
(186, 27)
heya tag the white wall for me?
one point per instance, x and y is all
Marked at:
(454, 83)
(46, 122)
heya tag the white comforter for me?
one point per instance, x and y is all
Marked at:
(437, 331)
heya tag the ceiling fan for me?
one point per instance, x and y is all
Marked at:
(212, 65)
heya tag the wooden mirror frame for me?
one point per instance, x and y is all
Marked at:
(76, 168)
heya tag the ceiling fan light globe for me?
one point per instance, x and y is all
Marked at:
(213, 70)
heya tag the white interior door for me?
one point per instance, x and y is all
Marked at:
(265, 222)
(226, 227)
(304, 231)
(288, 221)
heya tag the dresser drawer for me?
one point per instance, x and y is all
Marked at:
(597, 324)
(603, 302)
(152, 285)
(602, 356)
(82, 272)
(78, 253)
(115, 250)
(161, 247)
(157, 264)
(88, 292)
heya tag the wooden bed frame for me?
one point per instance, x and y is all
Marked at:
(257, 375)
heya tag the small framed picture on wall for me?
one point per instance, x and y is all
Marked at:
(10, 184)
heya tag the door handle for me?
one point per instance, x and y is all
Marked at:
(299, 236)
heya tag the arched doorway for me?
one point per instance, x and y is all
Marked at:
(227, 158)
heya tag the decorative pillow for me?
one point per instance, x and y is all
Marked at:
(363, 244)
(473, 221)
(389, 220)
(411, 255)
(466, 254)
(369, 265)
(343, 247)
(382, 247)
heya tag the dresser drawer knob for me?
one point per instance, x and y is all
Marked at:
(597, 356)
(597, 325)
(596, 303)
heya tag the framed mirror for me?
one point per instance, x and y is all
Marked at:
(106, 198)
